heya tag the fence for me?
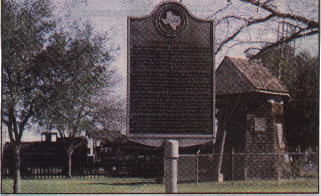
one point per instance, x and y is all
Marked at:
(248, 166)
(241, 172)
(196, 168)
(124, 168)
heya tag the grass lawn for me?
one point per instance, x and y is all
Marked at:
(141, 185)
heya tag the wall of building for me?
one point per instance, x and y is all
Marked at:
(265, 142)
(254, 135)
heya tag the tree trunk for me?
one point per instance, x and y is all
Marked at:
(69, 154)
(17, 177)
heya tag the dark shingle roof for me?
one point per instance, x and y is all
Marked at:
(235, 75)
(104, 135)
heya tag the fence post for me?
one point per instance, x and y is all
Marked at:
(232, 166)
(279, 165)
(220, 177)
(164, 170)
(197, 170)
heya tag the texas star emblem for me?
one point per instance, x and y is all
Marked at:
(172, 20)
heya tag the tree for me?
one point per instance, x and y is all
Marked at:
(255, 23)
(48, 75)
(80, 62)
(109, 118)
(302, 110)
(24, 28)
(300, 74)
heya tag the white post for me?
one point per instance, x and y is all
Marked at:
(171, 157)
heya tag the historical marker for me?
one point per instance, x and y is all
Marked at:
(170, 75)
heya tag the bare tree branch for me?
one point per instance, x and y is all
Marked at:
(249, 42)
(231, 17)
(10, 131)
(5, 121)
(283, 41)
(260, 20)
(267, 2)
(300, 25)
(25, 120)
(13, 121)
(309, 23)
(220, 10)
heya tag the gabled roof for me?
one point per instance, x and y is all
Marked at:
(235, 75)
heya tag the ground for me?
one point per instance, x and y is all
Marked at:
(141, 185)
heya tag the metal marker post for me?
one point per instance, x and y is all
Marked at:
(171, 157)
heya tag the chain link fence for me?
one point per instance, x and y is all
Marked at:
(253, 172)
(197, 173)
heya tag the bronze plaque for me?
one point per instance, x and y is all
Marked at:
(170, 74)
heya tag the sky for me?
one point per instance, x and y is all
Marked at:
(111, 16)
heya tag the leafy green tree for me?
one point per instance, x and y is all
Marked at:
(80, 62)
(110, 119)
(24, 30)
(49, 76)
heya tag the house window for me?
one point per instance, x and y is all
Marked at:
(259, 124)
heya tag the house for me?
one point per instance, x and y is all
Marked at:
(250, 122)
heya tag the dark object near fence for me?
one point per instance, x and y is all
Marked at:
(130, 159)
(120, 158)
(42, 158)
(49, 159)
